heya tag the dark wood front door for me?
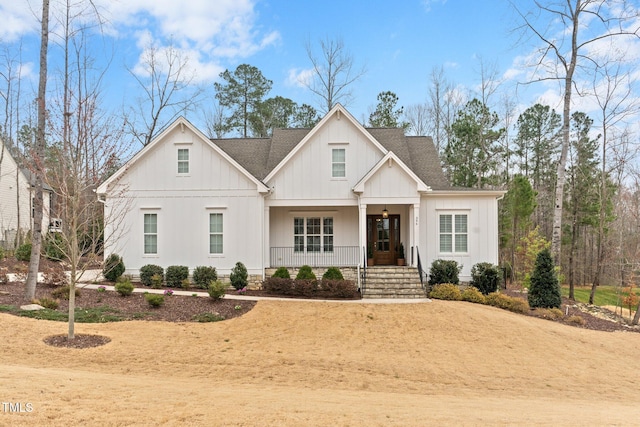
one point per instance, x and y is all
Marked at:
(383, 237)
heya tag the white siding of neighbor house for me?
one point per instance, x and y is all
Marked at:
(15, 197)
(482, 229)
(306, 178)
(183, 203)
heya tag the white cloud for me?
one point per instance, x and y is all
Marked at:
(18, 18)
(299, 77)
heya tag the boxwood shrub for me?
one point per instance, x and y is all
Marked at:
(305, 273)
(204, 275)
(332, 273)
(175, 274)
(444, 271)
(486, 277)
(113, 267)
(148, 271)
(282, 273)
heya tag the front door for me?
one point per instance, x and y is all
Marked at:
(383, 238)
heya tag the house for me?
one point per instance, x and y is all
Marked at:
(16, 200)
(320, 196)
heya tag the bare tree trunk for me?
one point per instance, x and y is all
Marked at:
(36, 235)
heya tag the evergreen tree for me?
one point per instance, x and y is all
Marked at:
(242, 92)
(273, 113)
(545, 290)
(386, 115)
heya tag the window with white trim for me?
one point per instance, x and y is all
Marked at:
(183, 160)
(215, 233)
(150, 234)
(453, 233)
(338, 163)
(313, 234)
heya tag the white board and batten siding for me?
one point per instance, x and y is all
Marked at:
(183, 203)
(306, 179)
(482, 229)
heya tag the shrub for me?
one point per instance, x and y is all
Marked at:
(49, 303)
(282, 273)
(339, 288)
(148, 271)
(176, 274)
(124, 288)
(486, 277)
(278, 285)
(216, 289)
(544, 291)
(23, 253)
(446, 291)
(113, 267)
(549, 313)
(576, 320)
(207, 317)
(472, 294)
(186, 284)
(498, 300)
(55, 276)
(204, 275)
(444, 271)
(305, 273)
(154, 300)
(239, 276)
(54, 247)
(305, 287)
(156, 281)
(63, 292)
(332, 273)
(1, 253)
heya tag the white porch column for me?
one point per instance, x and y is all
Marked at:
(362, 225)
(415, 234)
(266, 233)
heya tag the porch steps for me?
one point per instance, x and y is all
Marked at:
(392, 282)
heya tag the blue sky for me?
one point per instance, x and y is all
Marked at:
(399, 43)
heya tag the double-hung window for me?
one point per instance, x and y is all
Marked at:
(183, 160)
(338, 163)
(453, 233)
(215, 233)
(313, 234)
(150, 234)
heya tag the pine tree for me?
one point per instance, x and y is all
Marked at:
(545, 290)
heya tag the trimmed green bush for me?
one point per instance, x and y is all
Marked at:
(124, 288)
(444, 271)
(305, 273)
(239, 276)
(446, 291)
(474, 295)
(486, 277)
(154, 300)
(175, 274)
(54, 247)
(23, 253)
(204, 275)
(544, 291)
(332, 273)
(216, 289)
(113, 267)
(282, 273)
(148, 271)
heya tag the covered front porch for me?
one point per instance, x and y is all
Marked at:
(342, 236)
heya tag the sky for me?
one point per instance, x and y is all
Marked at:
(397, 43)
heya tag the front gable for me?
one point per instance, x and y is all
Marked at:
(390, 179)
(181, 158)
(327, 162)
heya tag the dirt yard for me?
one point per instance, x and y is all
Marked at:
(291, 363)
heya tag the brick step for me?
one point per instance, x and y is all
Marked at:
(372, 295)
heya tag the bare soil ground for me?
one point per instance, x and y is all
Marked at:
(323, 363)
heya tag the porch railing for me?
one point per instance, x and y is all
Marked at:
(421, 272)
(340, 256)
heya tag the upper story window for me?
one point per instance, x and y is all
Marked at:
(338, 163)
(183, 160)
(453, 233)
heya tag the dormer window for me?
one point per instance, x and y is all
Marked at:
(338, 163)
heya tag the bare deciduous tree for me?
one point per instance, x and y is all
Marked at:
(566, 48)
(333, 74)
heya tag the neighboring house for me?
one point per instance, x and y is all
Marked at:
(16, 200)
(317, 196)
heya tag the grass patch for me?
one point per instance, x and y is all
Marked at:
(7, 308)
(207, 317)
(605, 295)
(102, 314)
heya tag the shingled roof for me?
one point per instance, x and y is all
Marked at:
(259, 156)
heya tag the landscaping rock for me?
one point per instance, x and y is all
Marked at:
(31, 307)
